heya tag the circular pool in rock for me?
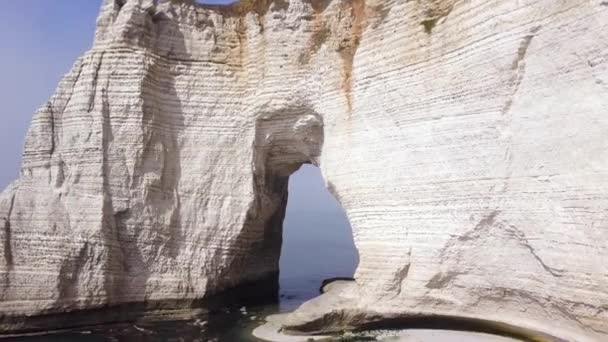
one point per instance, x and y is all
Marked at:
(270, 332)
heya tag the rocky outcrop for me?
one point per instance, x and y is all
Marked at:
(466, 141)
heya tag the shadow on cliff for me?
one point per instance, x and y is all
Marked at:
(145, 237)
(285, 138)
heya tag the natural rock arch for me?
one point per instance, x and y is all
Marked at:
(284, 139)
(145, 177)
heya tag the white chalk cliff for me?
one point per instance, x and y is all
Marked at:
(467, 141)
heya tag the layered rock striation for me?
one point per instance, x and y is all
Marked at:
(466, 140)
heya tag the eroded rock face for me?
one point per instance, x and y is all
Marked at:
(466, 141)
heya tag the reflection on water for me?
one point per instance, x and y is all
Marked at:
(229, 325)
(317, 244)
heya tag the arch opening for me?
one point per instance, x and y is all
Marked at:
(317, 240)
(303, 235)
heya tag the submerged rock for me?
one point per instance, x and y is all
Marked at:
(465, 140)
(332, 283)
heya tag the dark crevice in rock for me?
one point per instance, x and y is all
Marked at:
(8, 246)
(115, 271)
(319, 36)
(429, 24)
(441, 280)
(523, 241)
(487, 221)
(53, 133)
(519, 68)
(69, 273)
(433, 11)
(400, 276)
(71, 88)
(107, 225)
(93, 90)
(333, 191)
(523, 49)
(319, 5)
(280, 5)
(60, 175)
(243, 7)
(119, 4)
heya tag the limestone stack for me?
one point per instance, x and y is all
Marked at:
(467, 141)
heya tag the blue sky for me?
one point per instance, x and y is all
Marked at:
(41, 39)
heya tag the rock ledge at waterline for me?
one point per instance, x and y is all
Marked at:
(466, 140)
